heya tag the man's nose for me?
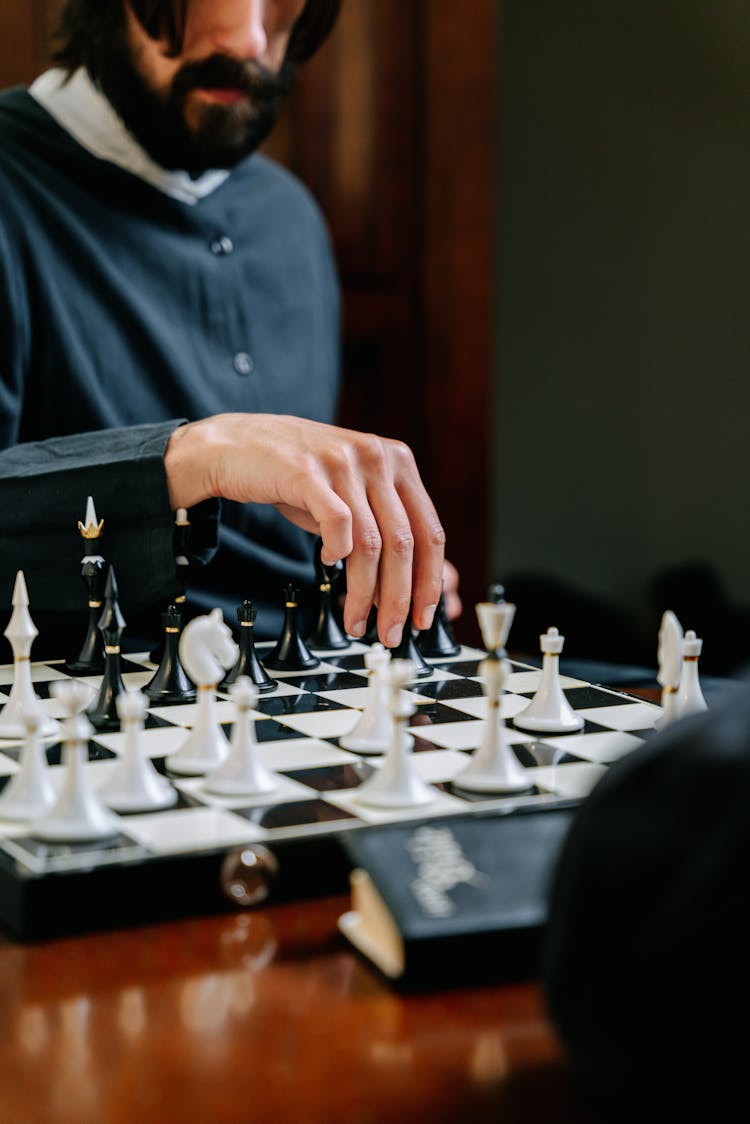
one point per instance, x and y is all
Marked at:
(239, 27)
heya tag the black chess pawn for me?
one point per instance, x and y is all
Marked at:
(327, 633)
(408, 650)
(496, 593)
(103, 711)
(371, 632)
(438, 640)
(291, 653)
(170, 683)
(90, 658)
(182, 565)
(247, 662)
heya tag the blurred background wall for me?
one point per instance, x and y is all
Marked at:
(621, 447)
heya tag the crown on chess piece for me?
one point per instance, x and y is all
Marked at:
(92, 528)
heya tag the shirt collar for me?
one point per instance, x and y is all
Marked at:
(83, 111)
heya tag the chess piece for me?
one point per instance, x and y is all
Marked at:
(248, 663)
(438, 642)
(373, 730)
(549, 712)
(242, 773)
(182, 566)
(291, 653)
(29, 792)
(77, 815)
(496, 593)
(669, 658)
(21, 632)
(397, 783)
(90, 658)
(135, 785)
(206, 651)
(170, 684)
(371, 630)
(408, 651)
(102, 713)
(690, 699)
(327, 633)
(494, 767)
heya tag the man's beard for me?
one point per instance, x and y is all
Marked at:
(219, 135)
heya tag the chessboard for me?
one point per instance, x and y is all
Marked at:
(184, 861)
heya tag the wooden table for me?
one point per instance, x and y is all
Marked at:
(262, 1016)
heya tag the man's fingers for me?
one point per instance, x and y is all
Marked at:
(429, 550)
(332, 517)
(396, 566)
(364, 496)
(452, 600)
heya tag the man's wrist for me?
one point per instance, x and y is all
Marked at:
(185, 461)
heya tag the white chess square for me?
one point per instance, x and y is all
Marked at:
(602, 748)
(464, 735)
(302, 753)
(526, 682)
(40, 673)
(157, 742)
(573, 781)
(184, 714)
(190, 829)
(321, 724)
(358, 697)
(442, 805)
(631, 716)
(477, 707)
(284, 791)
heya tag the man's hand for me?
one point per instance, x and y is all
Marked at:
(362, 494)
(452, 601)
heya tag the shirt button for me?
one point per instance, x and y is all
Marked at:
(243, 363)
(222, 246)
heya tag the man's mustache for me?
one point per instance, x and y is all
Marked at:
(222, 72)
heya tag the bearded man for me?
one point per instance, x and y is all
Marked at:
(169, 329)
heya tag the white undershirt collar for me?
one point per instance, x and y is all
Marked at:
(85, 113)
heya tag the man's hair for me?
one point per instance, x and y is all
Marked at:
(84, 24)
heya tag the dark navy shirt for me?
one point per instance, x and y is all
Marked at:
(122, 313)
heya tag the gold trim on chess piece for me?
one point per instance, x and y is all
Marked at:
(91, 530)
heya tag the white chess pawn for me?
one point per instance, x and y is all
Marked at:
(669, 658)
(242, 774)
(397, 784)
(549, 712)
(135, 785)
(690, 698)
(207, 651)
(495, 620)
(493, 766)
(21, 632)
(374, 727)
(29, 792)
(77, 816)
